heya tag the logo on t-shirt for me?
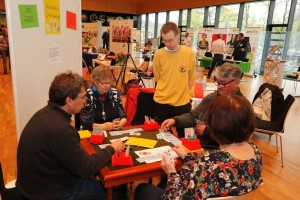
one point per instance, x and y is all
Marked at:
(182, 69)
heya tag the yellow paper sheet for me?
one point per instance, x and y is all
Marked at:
(141, 142)
(84, 134)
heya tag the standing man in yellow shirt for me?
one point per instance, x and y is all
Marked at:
(174, 73)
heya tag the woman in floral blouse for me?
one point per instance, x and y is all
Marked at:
(232, 170)
(103, 107)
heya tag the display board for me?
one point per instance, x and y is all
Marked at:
(45, 39)
(120, 32)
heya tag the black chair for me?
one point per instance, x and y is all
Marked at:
(8, 193)
(139, 102)
(292, 77)
(87, 59)
(276, 127)
(145, 106)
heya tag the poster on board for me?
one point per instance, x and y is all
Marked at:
(120, 35)
(252, 33)
(232, 38)
(52, 16)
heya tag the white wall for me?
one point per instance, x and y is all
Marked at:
(32, 72)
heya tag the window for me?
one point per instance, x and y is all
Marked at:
(161, 21)
(143, 27)
(174, 15)
(294, 45)
(197, 18)
(151, 23)
(259, 19)
(229, 16)
(184, 18)
(281, 11)
(211, 15)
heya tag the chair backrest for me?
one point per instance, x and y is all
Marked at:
(139, 102)
(285, 107)
(246, 196)
(87, 58)
(145, 106)
(198, 91)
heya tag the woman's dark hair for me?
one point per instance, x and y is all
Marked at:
(231, 119)
(65, 85)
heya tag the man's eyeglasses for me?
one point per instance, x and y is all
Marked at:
(82, 97)
(222, 85)
(168, 41)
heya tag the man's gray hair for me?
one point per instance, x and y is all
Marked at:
(228, 71)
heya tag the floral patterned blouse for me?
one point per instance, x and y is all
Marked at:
(93, 108)
(215, 173)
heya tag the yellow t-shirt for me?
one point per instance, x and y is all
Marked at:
(173, 71)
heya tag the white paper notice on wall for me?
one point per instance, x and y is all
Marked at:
(54, 55)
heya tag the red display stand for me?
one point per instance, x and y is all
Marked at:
(121, 160)
(151, 126)
(97, 138)
(191, 144)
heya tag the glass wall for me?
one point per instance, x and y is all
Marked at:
(258, 20)
(174, 16)
(294, 50)
(184, 17)
(151, 23)
(161, 21)
(143, 28)
(197, 18)
(281, 11)
(229, 16)
(211, 15)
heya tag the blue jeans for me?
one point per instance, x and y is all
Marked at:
(86, 189)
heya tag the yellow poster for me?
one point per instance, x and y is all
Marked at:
(52, 16)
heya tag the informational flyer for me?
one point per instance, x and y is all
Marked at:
(52, 16)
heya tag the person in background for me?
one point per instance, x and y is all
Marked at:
(203, 43)
(187, 41)
(103, 107)
(50, 162)
(147, 47)
(93, 49)
(239, 52)
(105, 38)
(227, 80)
(161, 43)
(174, 72)
(234, 169)
(4, 48)
(218, 48)
(85, 38)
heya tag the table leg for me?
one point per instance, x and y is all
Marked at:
(109, 193)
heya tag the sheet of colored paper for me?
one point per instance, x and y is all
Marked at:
(84, 134)
(141, 142)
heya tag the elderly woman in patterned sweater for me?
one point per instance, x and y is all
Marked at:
(103, 107)
(233, 169)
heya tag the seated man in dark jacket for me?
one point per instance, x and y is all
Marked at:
(51, 164)
(227, 80)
